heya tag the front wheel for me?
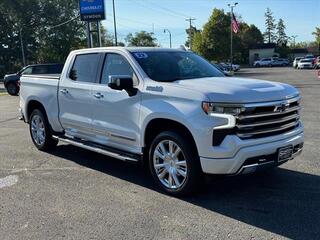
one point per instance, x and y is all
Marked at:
(40, 131)
(12, 89)
(174, 164)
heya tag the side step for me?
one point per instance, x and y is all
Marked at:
(108, 151)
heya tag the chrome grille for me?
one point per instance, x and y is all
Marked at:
(267, 119)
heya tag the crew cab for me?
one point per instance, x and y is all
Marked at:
(169, 109)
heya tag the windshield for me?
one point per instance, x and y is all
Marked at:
(306, 60)
(170, 66)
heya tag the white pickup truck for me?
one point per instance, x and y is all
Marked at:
(169, 109)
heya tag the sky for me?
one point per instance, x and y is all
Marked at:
(300, 16)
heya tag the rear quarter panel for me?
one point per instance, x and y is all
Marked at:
(44, 90)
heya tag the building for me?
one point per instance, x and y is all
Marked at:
(260, 51)
(297, 52)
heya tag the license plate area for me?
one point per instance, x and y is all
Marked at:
(285, 153)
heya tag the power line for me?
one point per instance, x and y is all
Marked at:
(61, 24)
(157, 9)
(172, 11)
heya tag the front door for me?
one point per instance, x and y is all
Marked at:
(115, 113)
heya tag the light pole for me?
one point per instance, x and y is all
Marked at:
(190, 19)
(167, 30)
(231, 6)
(22, 47)
(114, 23)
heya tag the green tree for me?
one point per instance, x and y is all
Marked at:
(214, 43)
(58, 34)
(191, 33)
(249, 36)
(316, 33)
(141, 39)
(269, 33)
(282, 37)
(49, 30)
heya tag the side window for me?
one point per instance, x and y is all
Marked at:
(85, 67)
(28, 70)
(40, 70)
(115, 64)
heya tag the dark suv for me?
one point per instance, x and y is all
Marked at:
(12, 81)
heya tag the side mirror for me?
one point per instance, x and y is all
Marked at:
(122, 82)
(73, 75)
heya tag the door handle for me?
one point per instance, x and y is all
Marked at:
(98, 95)
(64, 91)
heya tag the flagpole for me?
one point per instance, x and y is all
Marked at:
(231, 33)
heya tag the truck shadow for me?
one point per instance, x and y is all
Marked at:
(280, 201)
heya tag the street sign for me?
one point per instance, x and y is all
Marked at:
(92, 10)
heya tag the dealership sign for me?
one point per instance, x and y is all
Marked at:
(92, 10)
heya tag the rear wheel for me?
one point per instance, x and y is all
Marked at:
(12, 89)
(40, 131)
(174, 165)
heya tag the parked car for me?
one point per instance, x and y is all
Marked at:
(12, 81)
(280, 62)
(316, 63)
(166, 108)
(305, 63)
(225, 71)
(235, 67)
(309, 56)
(264, 62)
(295, 62)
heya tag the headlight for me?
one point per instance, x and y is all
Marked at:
(209, 108)
(222, 111)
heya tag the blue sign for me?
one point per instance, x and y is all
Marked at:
(92, 10)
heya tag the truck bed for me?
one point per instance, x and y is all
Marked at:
(43, 89)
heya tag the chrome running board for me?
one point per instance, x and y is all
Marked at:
(110, 152)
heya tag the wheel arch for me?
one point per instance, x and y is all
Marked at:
(158, 125)
(31, 106)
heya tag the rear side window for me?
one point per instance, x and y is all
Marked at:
(40, 70)
(55, 69)
(85, 67)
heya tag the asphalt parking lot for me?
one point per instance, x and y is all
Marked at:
(76, 194)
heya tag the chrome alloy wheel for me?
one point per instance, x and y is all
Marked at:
(170, 164)
(38, 130)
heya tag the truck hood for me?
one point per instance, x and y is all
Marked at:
(240, 90)
(13, 76)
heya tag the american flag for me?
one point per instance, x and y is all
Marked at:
(234, 24)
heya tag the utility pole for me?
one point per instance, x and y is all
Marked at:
(114, 23)
(294, 39)
(231, 32)
(190, 19)
(22, 48)
(167, 30)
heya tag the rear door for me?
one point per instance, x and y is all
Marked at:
(75, 96)
(115, 113)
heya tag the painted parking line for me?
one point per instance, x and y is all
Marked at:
(8, 181)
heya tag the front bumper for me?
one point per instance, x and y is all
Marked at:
(240, 151)
(306, 66)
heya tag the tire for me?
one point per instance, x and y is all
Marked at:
(173, 175)
(257, 65)
(40, 131)
(12, 89)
